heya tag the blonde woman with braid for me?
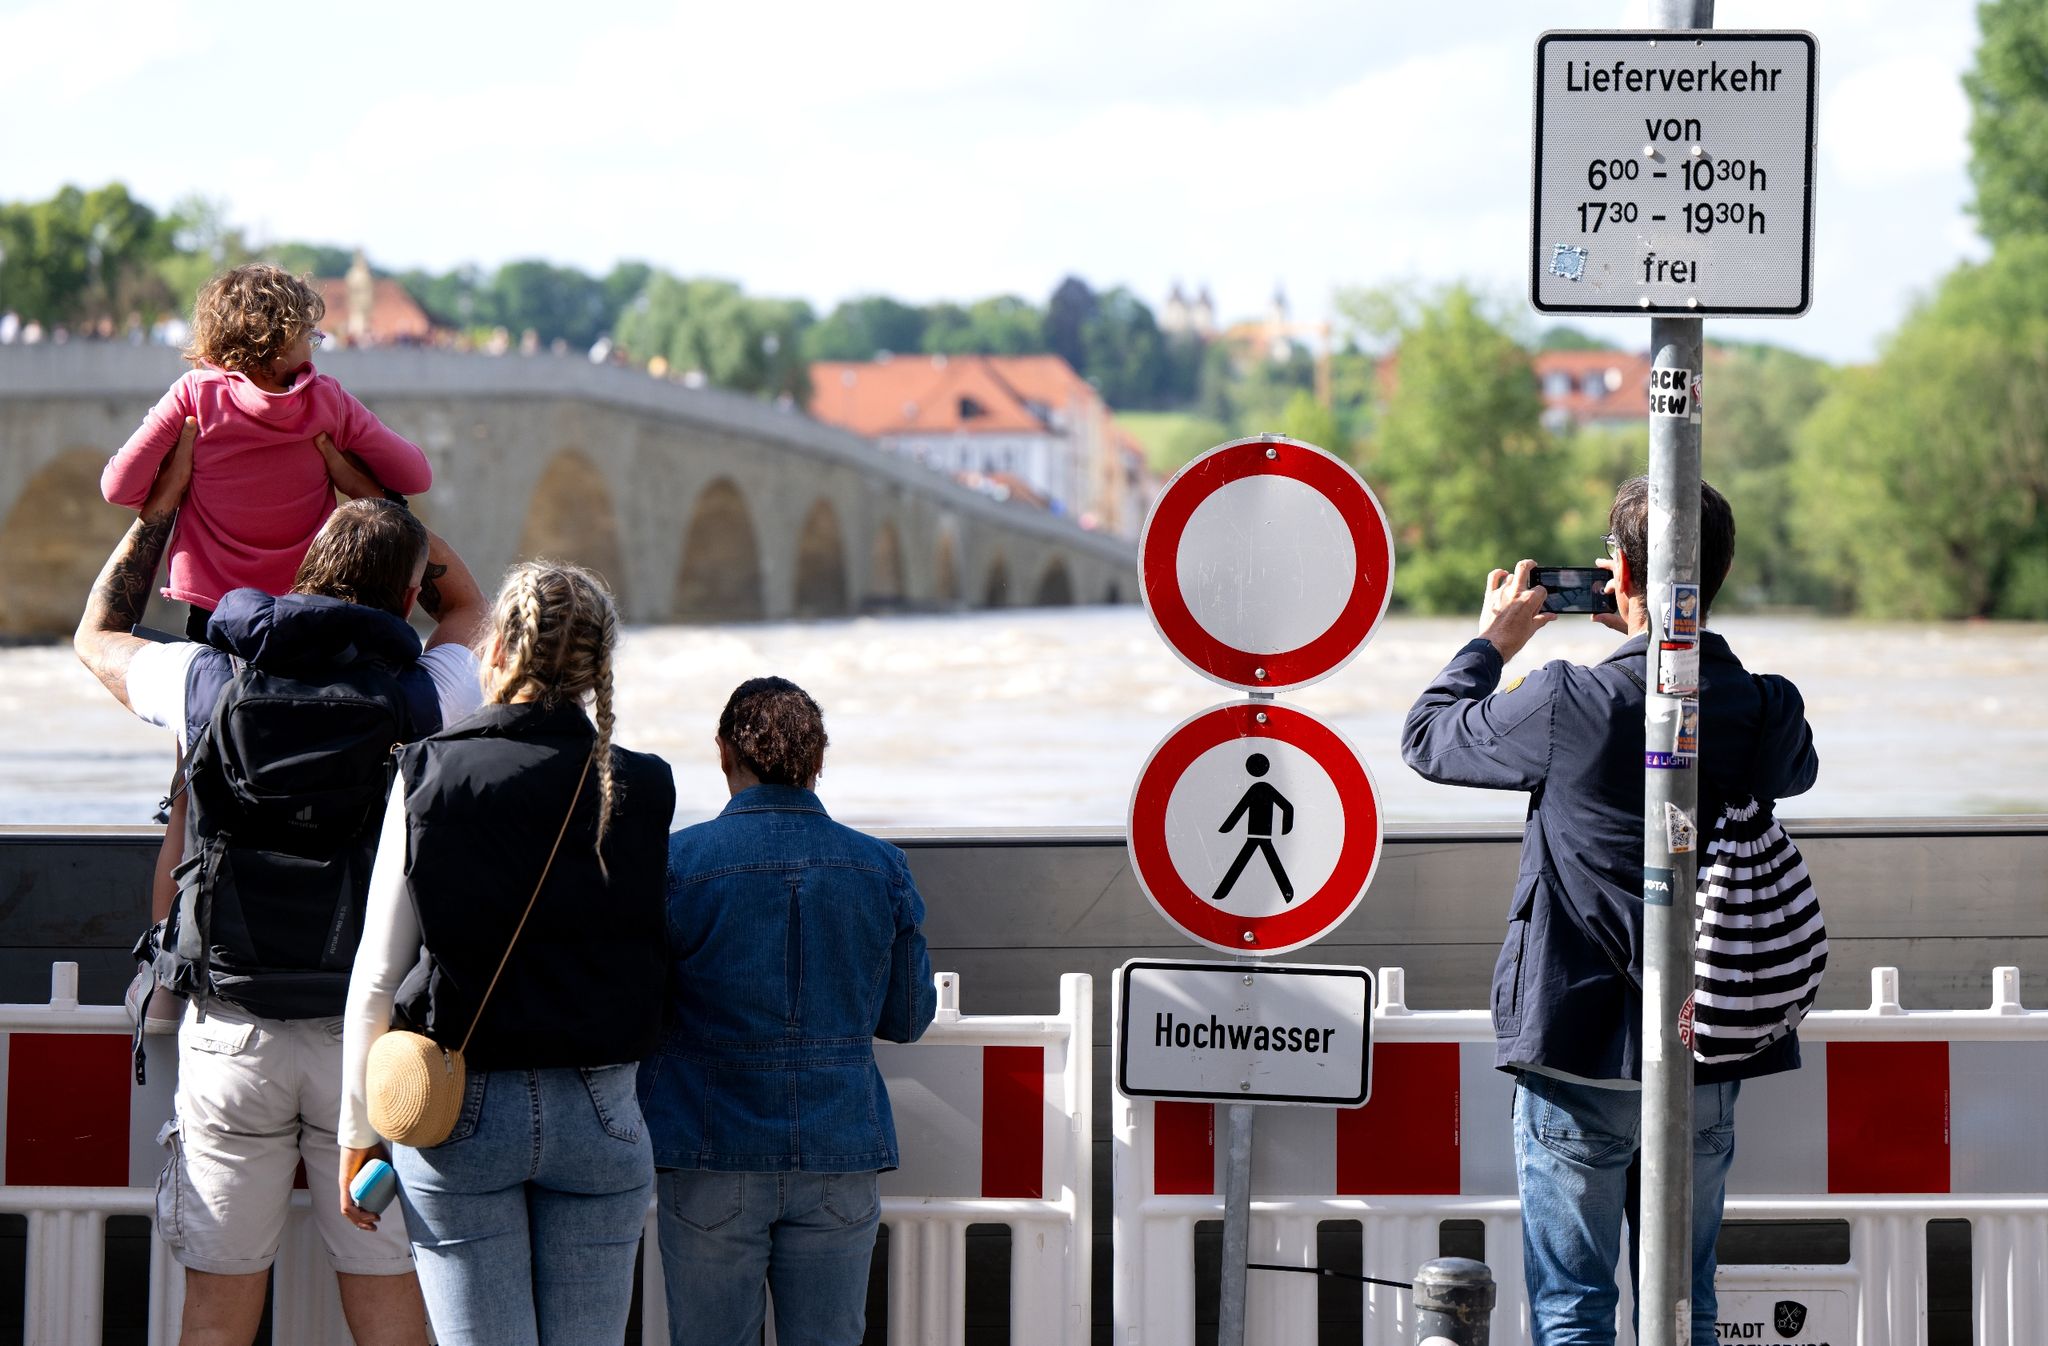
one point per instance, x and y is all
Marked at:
(525, 1221)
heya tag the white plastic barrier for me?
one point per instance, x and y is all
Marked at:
(1896, 1119)
(992, 1117)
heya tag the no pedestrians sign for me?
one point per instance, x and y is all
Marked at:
(1254, 828)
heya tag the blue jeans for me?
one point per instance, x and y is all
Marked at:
(526, 1220)
(1575, 1146)
(808, 1237)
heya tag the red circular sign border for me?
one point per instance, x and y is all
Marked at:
(1211, 925)
(1159, 545)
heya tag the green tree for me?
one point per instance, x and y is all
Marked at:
(622, 285)
(197, 242)
(80, 256)
(1307, 419)
(1123, 351)
(556, 302)
(2008, 92)
(460, 298)
(1000, 325)
(1067, 315)
(1469, 477)
(323, 260)
(1563, 338)
(712, 328)
(1758, 397)
(1922, 480)
(864, 327)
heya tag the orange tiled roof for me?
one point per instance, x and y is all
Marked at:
(394, 314)
(1605, 385)
(943, 394)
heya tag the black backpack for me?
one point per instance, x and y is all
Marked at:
(288, 784)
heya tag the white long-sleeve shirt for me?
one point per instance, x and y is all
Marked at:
(391, 946)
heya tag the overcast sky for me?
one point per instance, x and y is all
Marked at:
(947, 150)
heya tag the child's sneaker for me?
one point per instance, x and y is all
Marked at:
(154, 1008)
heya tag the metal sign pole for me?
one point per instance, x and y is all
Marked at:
(1237, 1227)
(1237, 1203)
(1670, 812)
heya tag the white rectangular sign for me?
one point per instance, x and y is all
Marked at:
(1674, 173)
(1244, 1032)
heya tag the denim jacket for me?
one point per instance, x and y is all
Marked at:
(794, 942)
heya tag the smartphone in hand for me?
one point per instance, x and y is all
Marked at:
(373, 1186)
(1575, 589)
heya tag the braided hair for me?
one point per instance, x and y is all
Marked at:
(555, 627)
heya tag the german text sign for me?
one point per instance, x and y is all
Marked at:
(1266, 563)
(1674, 173)
(1254, 828)
(1249, 1033)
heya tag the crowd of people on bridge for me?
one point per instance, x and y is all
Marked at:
(422, 875)
(414, 902)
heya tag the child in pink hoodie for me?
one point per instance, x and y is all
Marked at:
(260, 489)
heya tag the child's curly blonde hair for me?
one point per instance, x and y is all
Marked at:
(245, 318)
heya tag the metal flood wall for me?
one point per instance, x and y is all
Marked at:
(1941, 901)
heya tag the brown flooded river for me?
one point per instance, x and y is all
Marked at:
(1043, 717)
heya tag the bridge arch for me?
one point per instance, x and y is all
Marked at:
(53, 542)
(719, 577)
(1055, 586)
(946, 571)
(570, 517)
(821, 587)
(995, 588)
(885, 568)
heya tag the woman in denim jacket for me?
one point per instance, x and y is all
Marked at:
(794, 942)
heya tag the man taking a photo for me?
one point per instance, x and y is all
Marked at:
(1567, 988)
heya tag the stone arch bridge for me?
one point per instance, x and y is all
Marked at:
(696, 505)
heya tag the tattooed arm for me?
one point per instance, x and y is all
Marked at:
(450, 595)
(103, 640)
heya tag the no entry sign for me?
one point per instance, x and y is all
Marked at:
(1266, 564)
(1254, 828)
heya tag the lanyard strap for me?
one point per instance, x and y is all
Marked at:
(564, 831)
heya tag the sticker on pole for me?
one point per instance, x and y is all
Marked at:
(1254, 828)
(1266, 564)
(1244, 1032)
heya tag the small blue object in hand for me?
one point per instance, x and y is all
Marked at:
(373, 1187)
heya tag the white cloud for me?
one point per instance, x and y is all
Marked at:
(1889, 124)
(931, 150)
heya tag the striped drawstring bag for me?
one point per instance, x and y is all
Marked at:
(1759, 945)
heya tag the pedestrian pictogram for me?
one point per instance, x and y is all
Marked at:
(1257, 808)
(1266, 563)
(1254, 828)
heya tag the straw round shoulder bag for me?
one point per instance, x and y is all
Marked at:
(415, 1085)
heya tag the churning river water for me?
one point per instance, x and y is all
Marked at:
(1037, 718)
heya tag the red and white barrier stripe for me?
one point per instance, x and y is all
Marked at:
(1891, 1109)
(993, 1123)
(992, 1113)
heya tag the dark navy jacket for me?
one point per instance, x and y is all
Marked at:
(794, 942)
(301, 632)
(1567, 987)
